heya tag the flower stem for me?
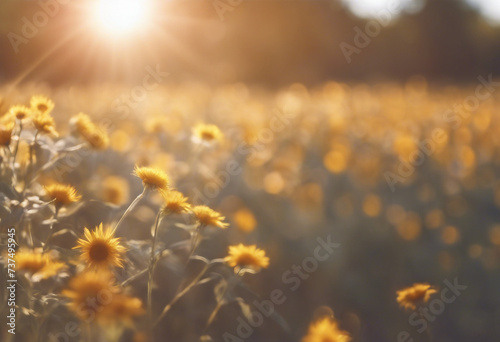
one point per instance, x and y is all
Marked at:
(152, 264)
(180, 294)
(130, 208)
(51, 231)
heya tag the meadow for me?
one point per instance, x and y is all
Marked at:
(190, 212)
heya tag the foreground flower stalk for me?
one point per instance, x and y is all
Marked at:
(152, 264)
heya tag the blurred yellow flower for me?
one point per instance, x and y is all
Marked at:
(44, 123)
(100, 249)
(410, 297)
(247, 258)
(62, 194)
(20, 112)
(122, 309)
(326, 330)
(94, 135)
(152, 178)
(39, 265)
(245, 220)
(6, 134)
(41, 104)
(209, 217)
(175, 203)
(207, 133)
(115, 190)
(89, 293)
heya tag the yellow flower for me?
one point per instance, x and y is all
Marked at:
(247, 258)
(100, 249)
(44, 123)
(122, 309)
(207, 133)
(19, 112)
(115, 190)
(41, 104)
(38, 265)
(175, 203)
(6, 134)
(95, 136)
(89, 293)
(409, 297)
(326, 330)
(62, 194)
(152, 178)
(209, 217)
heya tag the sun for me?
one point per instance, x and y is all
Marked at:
(120, 16)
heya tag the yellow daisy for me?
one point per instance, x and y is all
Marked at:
(41, 104)
(175, 203)
(122, 309)
(89, 293)
(100, 249)
(44, 123)
(152, 177)
(62, 194)
(37, 264)
(410, 297)
(326, 330)
(209, 217)
(115, 190)
(247, 258)
(19, 112)
(204, 133)
(94, 135)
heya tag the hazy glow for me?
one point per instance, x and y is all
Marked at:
(489, 8)
(377, 8)
(120, 16)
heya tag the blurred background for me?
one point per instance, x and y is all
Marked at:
(358, 81)
(265, 42)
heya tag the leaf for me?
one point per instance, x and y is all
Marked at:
(220, 290)
(200, 258)
(245, 308)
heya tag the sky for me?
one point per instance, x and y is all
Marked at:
(372, 8)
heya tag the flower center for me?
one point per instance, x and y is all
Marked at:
(99, 251)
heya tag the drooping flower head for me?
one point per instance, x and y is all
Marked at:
(94, 135)
(62, 194)
(175, 203)
(410, 297)
(247, 258)
(152, 178)
(100, 249)
(209, 217)
(44, 123)
(326, 329)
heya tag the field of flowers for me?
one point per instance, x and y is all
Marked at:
(341, 212)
